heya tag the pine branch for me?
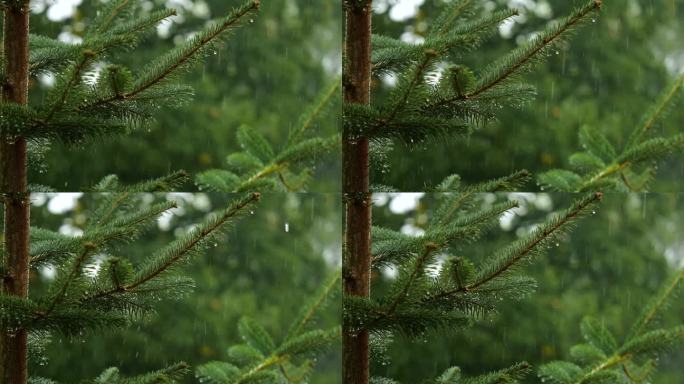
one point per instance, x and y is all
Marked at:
(476, 27)
(179, 57)
(394, 55)
(602, 360)
(107, 209)
(178, 249)
(109, 14)
(657, 303)
(390, 54)
(437, 45)
(71, 321)
(171, 374)
(276, 165)
(393, 247)
(140, 25)
(76, 271)
(411, 307)
(519, 58)
(417, 269)
(447, 19)
(362, 314)
(15, 312)
(481, 217)
(600, 166)
(416, 78)
(261, 360)
(47, 54)
(253, 168)
(312, 112)
(502, 261)
(101, 233)
(170, 255)
(299, 184)
(651, 149)
(464, 195)
(656, 112)
(262, 173)
(74, 77)
(600, 175)
(39, 380)
(307, 149)
(168, 183)
(522, 57)
(507, 375)
(315, 305)
(648, 343)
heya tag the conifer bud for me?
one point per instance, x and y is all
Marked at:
(462, 79)
(462, 271)
(120, 79)
(431, 52)
(89, 53)
(120, 271)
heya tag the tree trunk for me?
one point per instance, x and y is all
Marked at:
(14, 345)
(356, 255)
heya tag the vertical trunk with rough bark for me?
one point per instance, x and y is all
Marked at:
(13, 346)
(357, 257)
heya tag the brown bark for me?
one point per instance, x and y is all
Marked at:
(357, 256)
(13, 160)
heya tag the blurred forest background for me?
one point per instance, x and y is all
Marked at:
(606, 77)
(271, 262)
(264, 76)
(608, 267)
